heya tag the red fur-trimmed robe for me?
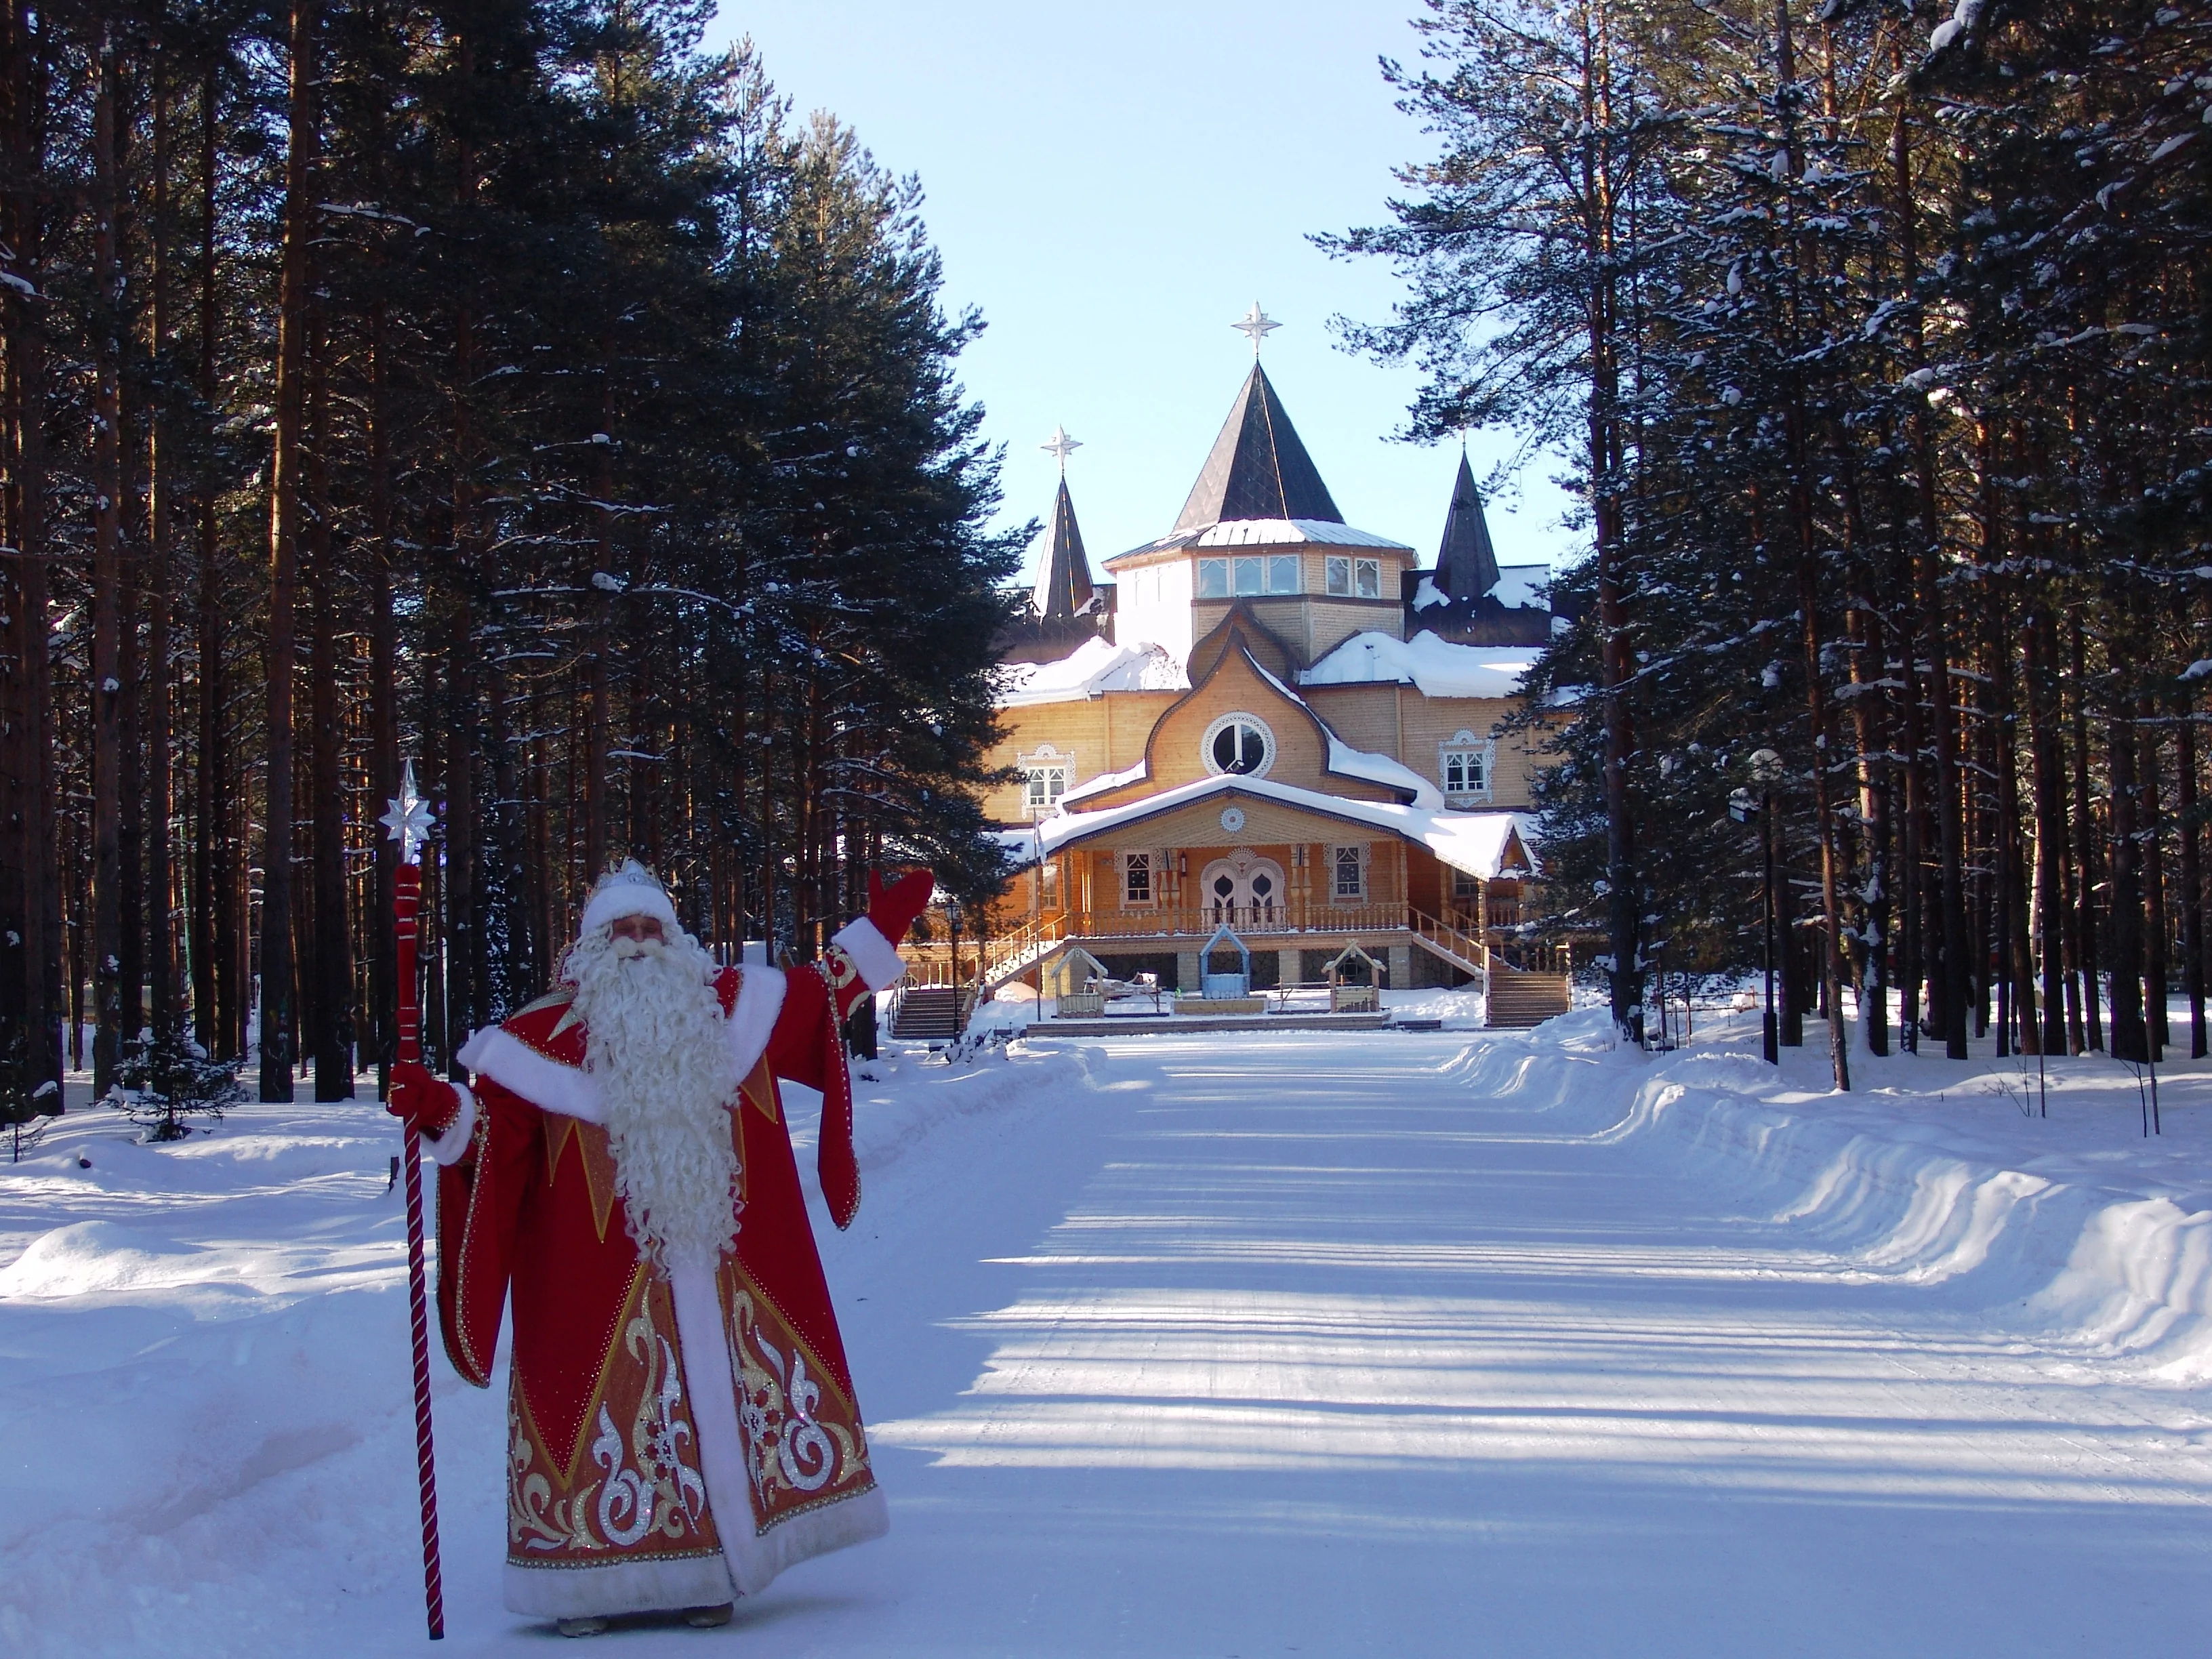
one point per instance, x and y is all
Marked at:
(674, 1439)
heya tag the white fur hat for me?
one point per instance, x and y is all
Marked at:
(628, 892)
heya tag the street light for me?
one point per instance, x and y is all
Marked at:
(1744, 808)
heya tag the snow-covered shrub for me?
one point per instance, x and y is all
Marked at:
(165, 1080)
(26, 1106)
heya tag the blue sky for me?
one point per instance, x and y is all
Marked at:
(1113, 186)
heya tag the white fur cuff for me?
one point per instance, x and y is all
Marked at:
(448, 1147)
(876, 956)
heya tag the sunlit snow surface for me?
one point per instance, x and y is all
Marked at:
(1331, 1344)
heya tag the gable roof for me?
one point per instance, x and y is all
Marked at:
(1064, 586)
(1259, 469)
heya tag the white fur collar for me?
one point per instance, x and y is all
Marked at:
(553, 1085)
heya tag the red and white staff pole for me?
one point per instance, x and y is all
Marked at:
(409, 821)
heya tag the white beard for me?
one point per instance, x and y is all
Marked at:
(658, 1048)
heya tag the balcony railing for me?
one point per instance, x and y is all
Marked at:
(1002, 957)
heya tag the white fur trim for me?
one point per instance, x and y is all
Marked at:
(448, 1147)
(876, 956)
(754, 1560)
(618, 897)
(546, 1084)
(707, 1380)
(617, 1587)
(752, 1021)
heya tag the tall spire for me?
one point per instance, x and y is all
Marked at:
(1064, 588)
(1259, 469)
(1467, 566)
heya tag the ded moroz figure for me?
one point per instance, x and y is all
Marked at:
(681, 1424)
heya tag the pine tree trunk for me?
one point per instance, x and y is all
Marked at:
(2050, 822)
(2130, 1039)
(1912, 906)
(277, 970)
(213, 951)
(107, 664)
(384, 766)
(2152, 829)
(2087, 863)
(2192, 874)
(160, 781)
(41, 1001)
(331, 1039)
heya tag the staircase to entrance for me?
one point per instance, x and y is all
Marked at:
(932, 1013)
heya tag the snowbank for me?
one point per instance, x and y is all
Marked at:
(2070, 1229)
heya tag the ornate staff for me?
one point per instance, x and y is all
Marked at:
(409, 821)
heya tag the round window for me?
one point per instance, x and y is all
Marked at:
(1240, 745)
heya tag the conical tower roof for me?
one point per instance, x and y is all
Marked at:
(1259, 469)
(1063, 586)
(1466, 565)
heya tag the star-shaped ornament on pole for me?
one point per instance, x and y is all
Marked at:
(1060, 446)
(1257, 324)
(409, 821)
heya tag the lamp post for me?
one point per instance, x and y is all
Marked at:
(952, 923)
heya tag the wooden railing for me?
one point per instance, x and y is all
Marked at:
(1000, 957)
(1250, 923)
(1469, 951)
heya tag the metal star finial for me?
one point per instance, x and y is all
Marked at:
(1061, 446)
(409, 821)
(1258, 325)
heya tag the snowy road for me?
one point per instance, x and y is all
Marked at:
(1320, 1354)
(1289, 1345)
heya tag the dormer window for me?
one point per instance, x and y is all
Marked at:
(1465, 764)
(1046, 776)
(1357, 579)
(1248, 574)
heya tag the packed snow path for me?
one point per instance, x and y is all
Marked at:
(1327, 1345)
(1321, 1354)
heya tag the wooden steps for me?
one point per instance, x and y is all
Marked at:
(932, 1013)
(1517, 1000)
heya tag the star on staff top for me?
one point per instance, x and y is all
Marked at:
(1257, 323)
(1060, 446)
(409, 820)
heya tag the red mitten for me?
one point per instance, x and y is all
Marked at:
(893, 909)
(425, 1103)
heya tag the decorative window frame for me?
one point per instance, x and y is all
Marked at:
(1045, 757)
(1363, 569)
(1484, 752)
(1198, 588)
(1238, 717)
(1153, 865)
(1336, 862)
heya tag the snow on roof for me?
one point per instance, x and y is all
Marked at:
(1473, 841)
(1440, 668)
(1265, 533)
(1096, 666)
(1105, 781)
(1381, 769)
(1519, 584)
